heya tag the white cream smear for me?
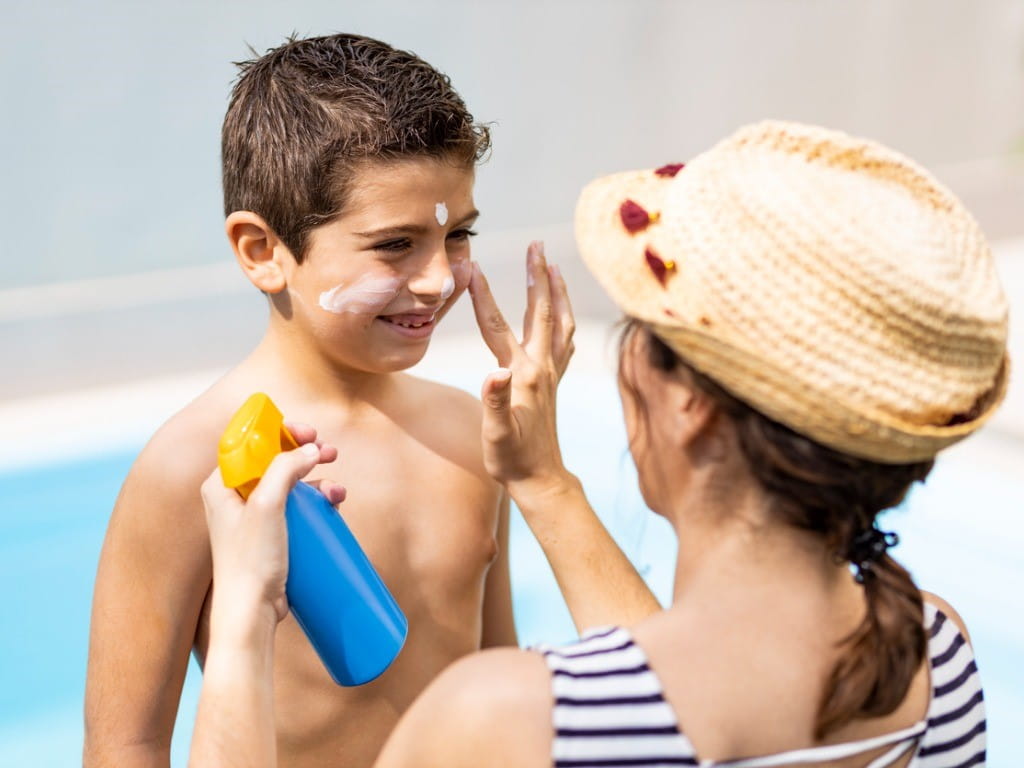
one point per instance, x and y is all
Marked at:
(367, 295)
(441, 213)
(447, 288)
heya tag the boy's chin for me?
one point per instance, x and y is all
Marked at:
(394, 361)
(394, 364)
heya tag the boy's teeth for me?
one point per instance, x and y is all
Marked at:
(410, 324)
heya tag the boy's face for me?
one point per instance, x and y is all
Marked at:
(376, 281)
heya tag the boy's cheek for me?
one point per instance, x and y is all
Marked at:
(462, 270)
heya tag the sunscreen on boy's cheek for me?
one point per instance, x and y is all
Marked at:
(365, 295)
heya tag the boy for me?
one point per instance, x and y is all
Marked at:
(348, 179)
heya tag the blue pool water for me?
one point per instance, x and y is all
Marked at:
(962, 534)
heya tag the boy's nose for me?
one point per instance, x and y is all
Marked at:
(434, 283)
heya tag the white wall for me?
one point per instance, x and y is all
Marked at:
(110, 111)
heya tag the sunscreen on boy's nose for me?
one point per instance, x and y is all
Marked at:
(337, 597)
(447, 288)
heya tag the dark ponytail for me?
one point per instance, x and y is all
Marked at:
(837, 496)
(883, 653)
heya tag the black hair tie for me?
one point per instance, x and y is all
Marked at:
(867, 548)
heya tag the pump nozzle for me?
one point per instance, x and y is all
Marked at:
(253, 437)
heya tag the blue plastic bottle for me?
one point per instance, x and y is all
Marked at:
(335, 594)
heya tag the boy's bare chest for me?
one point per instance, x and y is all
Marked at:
(419, 514)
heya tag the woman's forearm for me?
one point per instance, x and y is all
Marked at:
(235, 719)
(599, 583)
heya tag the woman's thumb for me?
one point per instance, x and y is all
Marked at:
(284, 472)
(497, 392)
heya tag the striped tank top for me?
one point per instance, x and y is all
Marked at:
(609, 710)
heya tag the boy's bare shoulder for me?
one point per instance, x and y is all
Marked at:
(183, 452)
(445, 419)
(446, 399)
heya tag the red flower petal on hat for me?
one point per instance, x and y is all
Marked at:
(634, 217)
(658, 267)
(670, 170)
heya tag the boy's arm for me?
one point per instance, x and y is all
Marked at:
(154, 574)
(499, 625)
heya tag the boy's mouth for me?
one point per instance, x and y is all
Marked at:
(415, 324)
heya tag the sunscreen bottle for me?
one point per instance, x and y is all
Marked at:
(340, 602)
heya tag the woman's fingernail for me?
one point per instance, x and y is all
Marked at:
(502, 375)
(311, 449)
(556, 271)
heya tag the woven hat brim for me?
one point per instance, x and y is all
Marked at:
(616, 258)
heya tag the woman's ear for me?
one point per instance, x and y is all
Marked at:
(259, 251)
(695, 414)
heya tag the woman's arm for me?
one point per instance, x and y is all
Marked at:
(235, 720)
(521, 450)
(249, 544)
(597, 580)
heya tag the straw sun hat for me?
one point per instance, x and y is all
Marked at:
(827, 281)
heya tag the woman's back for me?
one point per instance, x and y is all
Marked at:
(672, 694)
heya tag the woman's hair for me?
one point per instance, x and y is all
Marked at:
(837, 496)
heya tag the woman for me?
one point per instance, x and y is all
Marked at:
(810, 319)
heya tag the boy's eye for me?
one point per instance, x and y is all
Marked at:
(403, 244)
(394, 246)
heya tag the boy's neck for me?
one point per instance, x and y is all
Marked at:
(292, 364)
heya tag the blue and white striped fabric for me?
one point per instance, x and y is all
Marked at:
(955, 737)
(609, 710)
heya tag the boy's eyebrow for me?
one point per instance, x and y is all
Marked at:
(471, 216)
(410, 229)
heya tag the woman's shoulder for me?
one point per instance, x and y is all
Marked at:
(495, 703)
(944, 608)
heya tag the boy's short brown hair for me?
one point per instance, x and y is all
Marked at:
(305, 114)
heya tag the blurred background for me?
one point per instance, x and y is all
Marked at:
(120, 300)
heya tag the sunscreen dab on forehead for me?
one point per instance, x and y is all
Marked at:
(441, 213)
(365, 295)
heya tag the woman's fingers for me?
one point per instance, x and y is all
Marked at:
(334, 492)
(283, 473)
(216, 494)
(565, 322)
(304, 433)
(539, 319)
(497, 399)
(496, 332)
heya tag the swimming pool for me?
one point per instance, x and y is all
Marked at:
(962, 536)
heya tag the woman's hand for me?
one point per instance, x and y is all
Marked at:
(520, 439)
(248, 539)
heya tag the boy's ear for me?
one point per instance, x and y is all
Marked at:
(260, 252)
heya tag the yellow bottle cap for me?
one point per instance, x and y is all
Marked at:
(253, 437)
